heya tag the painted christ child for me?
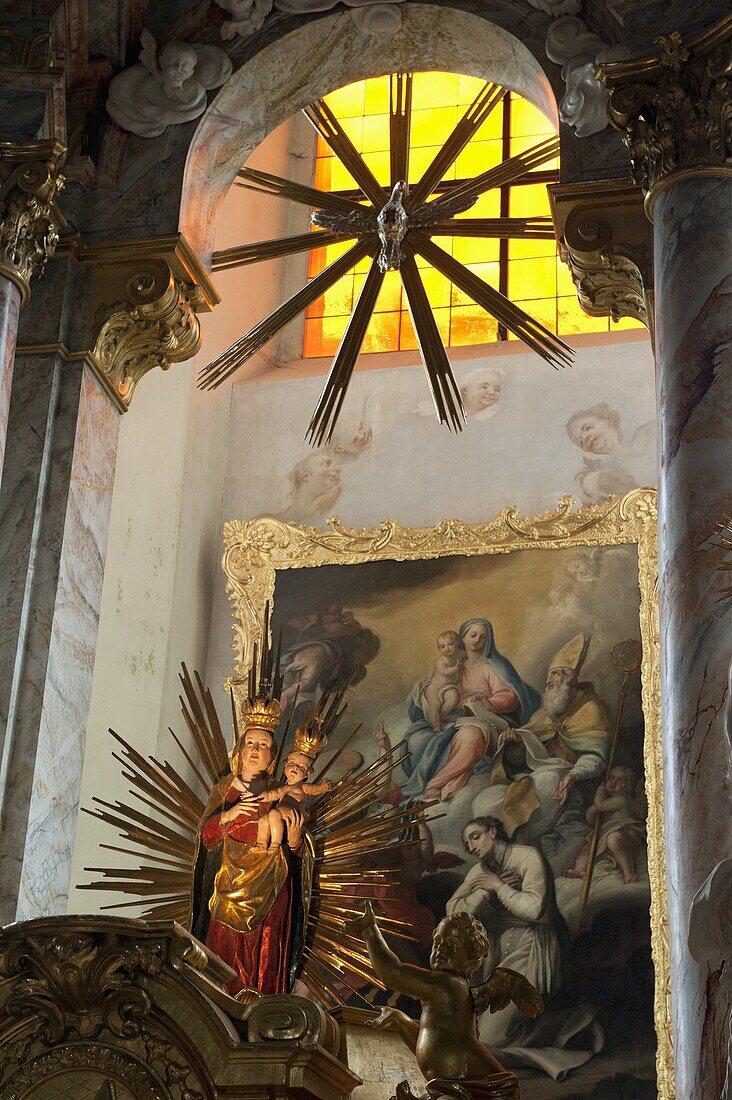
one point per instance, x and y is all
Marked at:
(296, 794)
(442, 691)
(622, 829)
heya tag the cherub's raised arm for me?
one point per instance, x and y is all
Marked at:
(396, 975)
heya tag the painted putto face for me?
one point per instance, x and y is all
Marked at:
(595, 435)
(448, 645)
(621, 781)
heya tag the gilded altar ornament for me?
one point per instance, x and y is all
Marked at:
(394, 226)
(449, 1054)
(272, 906)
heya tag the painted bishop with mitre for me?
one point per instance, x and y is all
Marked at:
(566, 741)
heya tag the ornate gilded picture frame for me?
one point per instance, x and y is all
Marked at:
(416, 613)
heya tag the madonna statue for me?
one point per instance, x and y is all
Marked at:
(248, 904)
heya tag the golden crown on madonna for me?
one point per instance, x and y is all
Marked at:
(310, 738)
(262, 711)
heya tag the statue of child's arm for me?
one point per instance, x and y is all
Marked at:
(401, 977)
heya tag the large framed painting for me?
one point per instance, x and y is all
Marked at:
(513, 668)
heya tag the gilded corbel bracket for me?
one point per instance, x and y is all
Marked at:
(673, 108)
(30, 220)
(605, 239)
(145, 298)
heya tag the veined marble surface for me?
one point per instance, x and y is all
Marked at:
(73, 631)
(693, 257)
(9, 309)
(322, 56)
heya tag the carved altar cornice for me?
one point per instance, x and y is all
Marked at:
(146, 295)
(673, 108)
(605, 239)
(30, 219)
(144, 1004)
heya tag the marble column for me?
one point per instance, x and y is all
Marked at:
(671, 111)
(9, 310)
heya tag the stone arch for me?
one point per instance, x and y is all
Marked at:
(324, 55)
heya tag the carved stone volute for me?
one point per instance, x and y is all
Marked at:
(673, 108)
(30, 220)
(605, 240)
(155, 326)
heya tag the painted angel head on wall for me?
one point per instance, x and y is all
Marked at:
(166, 87)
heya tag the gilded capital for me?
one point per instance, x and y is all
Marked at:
(673, 108)
(30, 220)
(604, 238)
(154, 326)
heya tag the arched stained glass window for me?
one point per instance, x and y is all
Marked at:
(527, 271)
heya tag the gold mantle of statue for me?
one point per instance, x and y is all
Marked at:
(120, 1009)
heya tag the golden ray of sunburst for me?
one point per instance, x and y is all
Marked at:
(394, 226)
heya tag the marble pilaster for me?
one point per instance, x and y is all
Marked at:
(9, 309)
(693, 263)
(673, 112)
(54, 801)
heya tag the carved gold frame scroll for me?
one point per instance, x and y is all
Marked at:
(256, 549)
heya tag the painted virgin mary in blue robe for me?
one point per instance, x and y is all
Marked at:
(492, 698)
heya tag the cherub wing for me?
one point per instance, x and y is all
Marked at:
(149, 52)
(213, 67)
(503, 986)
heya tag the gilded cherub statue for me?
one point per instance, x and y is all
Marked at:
(445, 1042)
(166, 87)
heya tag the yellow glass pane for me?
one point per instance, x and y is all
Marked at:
(340, 178)
(526, 119)
(375, 134)
(354, 129)
(524, 248)
(323, 173)
(565, 285)
(492, 128)
(472, 325)
(475, 250)
(571, 318)
(323, 335)
(529, 200)
(468, 88)
(347, 102)
(488, 205)
(489, 273)
(382, 333)
(376, 98)
(337, 301)
(437, 287)
(408, 338)
(522, 144)
(434, 89)
(390, 295)
(532, 278)
(542, 310)
(433, 126)
(420, 160)
(380, 165)
(477, 157)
